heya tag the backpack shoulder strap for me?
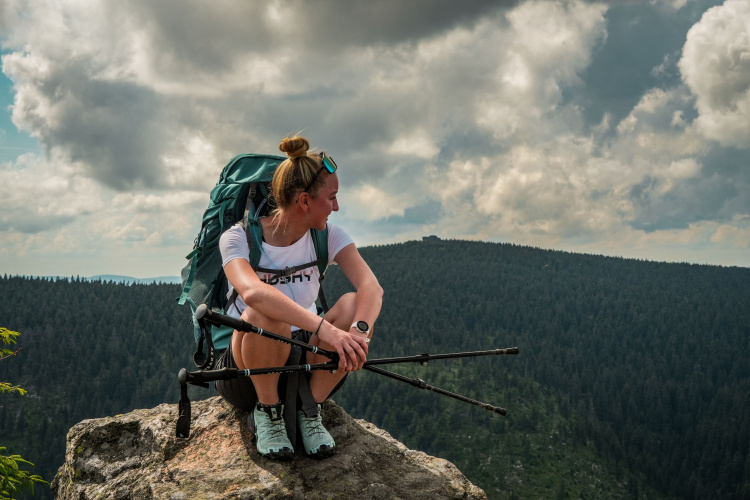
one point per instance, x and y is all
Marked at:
(254, 233)
(320, 241)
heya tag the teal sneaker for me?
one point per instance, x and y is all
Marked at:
(270, 432)
(318, 442)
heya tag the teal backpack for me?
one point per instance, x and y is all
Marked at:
(241, 194)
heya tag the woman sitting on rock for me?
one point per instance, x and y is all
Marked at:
(304, 192)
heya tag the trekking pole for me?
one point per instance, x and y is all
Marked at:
(421, 384)
(422, 359)
(206, 314)
(202, 377)
(202, 312)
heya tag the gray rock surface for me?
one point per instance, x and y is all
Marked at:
(137, 456)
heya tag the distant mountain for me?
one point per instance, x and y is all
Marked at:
(129, 280)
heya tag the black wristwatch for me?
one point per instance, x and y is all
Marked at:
(361, 326)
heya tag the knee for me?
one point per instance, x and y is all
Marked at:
(262, 321)
(251, 316)
(349, 302)
(347, 307)
(342, 312)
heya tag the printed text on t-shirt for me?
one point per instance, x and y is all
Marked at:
(272, 279)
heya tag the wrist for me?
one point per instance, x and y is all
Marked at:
(317, 330)
(361, 327)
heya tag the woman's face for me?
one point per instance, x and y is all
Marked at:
(325, 202)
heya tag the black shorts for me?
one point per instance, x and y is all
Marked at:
(240, 392)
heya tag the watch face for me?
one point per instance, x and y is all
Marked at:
(362, 326)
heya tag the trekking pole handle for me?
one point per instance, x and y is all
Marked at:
(204, 376)
(202, 312)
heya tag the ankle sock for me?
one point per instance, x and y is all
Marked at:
(262, 406)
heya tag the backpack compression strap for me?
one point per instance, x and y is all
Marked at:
(287, 271)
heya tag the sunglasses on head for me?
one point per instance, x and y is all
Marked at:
(328, 164)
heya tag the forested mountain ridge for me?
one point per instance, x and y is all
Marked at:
(643, 363)
(651, 359)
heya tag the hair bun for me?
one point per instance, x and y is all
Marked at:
(295, 146)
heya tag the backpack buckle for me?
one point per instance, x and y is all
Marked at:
(288, 271)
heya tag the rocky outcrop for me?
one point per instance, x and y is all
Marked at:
(137, 456)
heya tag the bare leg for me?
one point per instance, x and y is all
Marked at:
(253, 351)
(322, 382)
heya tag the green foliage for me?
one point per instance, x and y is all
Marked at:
(8, 387)
(13, 480)
(8, 337)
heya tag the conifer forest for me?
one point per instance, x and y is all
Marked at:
(632, 378)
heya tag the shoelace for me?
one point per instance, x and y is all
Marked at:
(276, 428)
(313, 425)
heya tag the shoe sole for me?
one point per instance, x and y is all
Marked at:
(282, 454)
(324, 451)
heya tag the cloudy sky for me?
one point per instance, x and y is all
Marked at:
(617, 128)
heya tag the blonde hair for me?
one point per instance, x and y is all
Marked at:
(295, 173)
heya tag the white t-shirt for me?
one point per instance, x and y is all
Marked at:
(302, 287)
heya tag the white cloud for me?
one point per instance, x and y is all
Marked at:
(370, 203)
(572, 187)
(736, 234)
(467, 123)
(420, 144)
(39, 194)
(715, 64)
(546, 47)
(53, 214)
(515, 93)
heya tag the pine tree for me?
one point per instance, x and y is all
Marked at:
(12, 478)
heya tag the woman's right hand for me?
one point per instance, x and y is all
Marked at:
(351, 347)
